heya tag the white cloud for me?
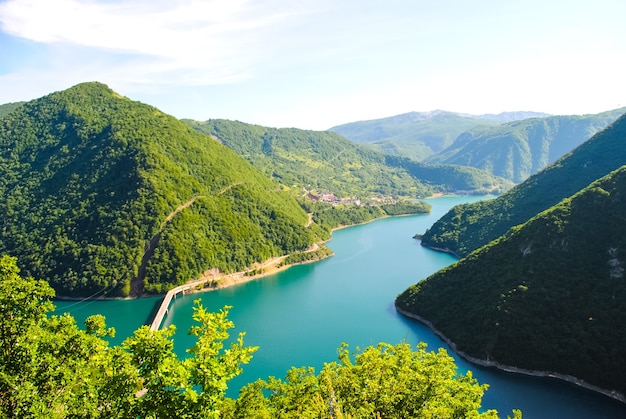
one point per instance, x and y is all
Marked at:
(317, 63)
(147, 27)
(210, 41)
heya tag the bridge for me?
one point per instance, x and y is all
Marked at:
(229, 279)
(165, 304)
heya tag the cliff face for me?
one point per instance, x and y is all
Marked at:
(549, 295)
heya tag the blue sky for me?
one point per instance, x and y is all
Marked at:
(314, 64)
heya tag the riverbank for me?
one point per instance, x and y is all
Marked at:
(493, 364)
(218, 281)
(212, 280)
(438, 249)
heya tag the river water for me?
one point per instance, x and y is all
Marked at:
(300, 316)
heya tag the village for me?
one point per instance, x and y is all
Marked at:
(331, 198)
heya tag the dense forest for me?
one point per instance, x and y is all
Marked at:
(104, 196)
(53, 369)
(100, 192)
(467, 227)
(7, 108)
(326, 162)
(548, 296)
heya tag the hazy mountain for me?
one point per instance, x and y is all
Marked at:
(415, 134)
(325, 161)
(550, 295)
(509, 116)
(519, 149)
(468, 227)
(101, 194)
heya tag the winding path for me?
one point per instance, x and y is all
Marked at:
(136, 285)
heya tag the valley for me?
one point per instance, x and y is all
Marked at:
(111, 198)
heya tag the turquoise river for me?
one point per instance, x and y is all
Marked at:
(300, 316)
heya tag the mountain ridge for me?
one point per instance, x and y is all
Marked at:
(467, 227)
(513, 145)
(329, 163)
(515, 150)
(90, 176)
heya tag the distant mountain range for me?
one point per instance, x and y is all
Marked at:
(508, 116)
(542, 287)
(416, 135)
(512, 145)
(519, 149)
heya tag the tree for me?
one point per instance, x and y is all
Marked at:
(382, 381)
(49, 368)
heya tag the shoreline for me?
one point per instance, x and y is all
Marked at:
(268, 267)
(515, 370)
(217, 282)
(234, 281)
(439, 249)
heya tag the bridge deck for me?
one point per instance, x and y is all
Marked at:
(165, 304)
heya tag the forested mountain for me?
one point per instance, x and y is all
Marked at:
(7, 108)
(417, 135)
(325, 161)
(468, 227)
(100, 193)
(519, 149)
(550, 295)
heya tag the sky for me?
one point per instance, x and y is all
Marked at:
(315, 64)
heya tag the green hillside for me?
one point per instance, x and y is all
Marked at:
(415, 135)
(105, 195)
(550, 295)
(7, 108)
(327, 162)
(468, 227)
(450, 178)
(519, 149)
(314, 160)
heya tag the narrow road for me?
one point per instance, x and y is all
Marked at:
(179, 209)
(136, 285)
